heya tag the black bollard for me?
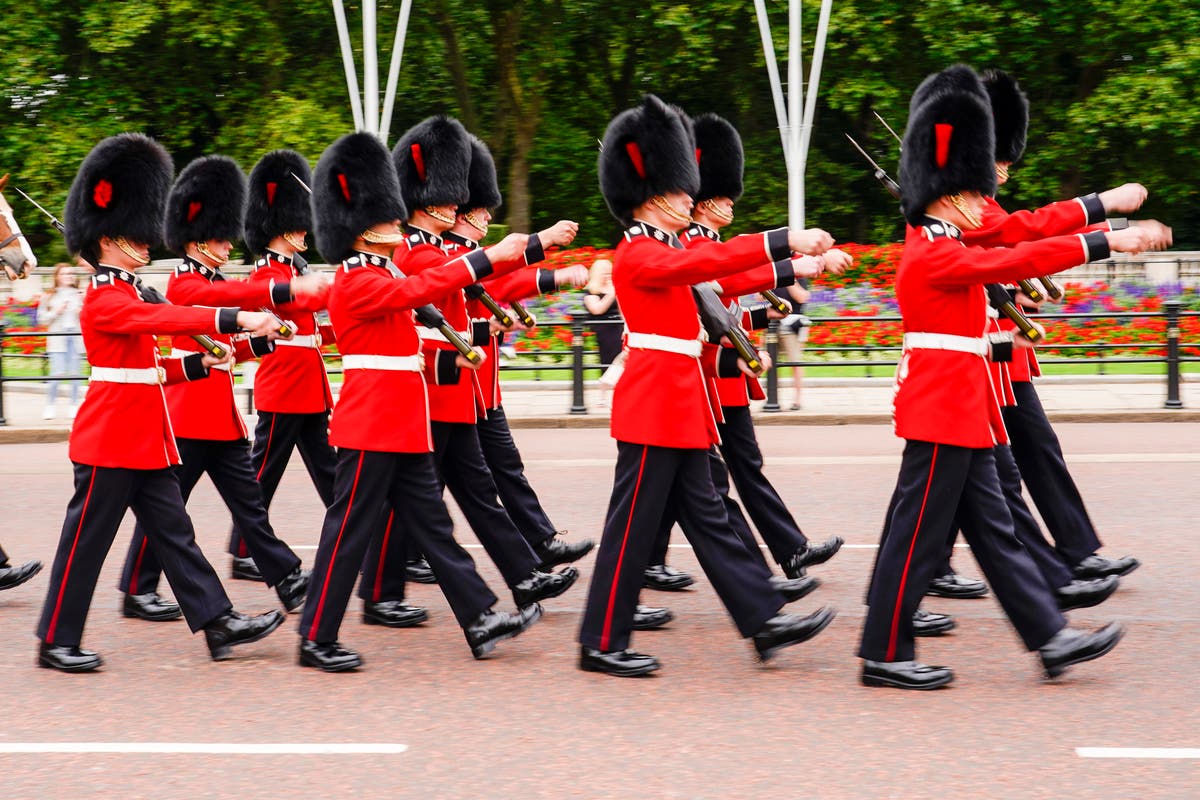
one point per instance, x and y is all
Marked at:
(1173, 399)
(577, 404)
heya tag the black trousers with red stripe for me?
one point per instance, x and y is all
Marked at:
(737, 520)
(228, 465)
(102, 496)
(1039, 456)
(743, 463)
(1049, 562)
(649, 481)
(3, 557)
(459, 460)
(367, 483)
(504, 461)
(275, 436)
(940, 486)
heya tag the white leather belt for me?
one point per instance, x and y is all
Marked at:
(389, 363)
(946, 341)
(177, 353)
(438, 336)
(147, 375)
(667, 344)
(308, 340)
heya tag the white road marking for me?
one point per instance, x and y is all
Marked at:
(223, 748)
(833, 461)
(1138, 752)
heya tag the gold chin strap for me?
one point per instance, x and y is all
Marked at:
(711, 207)
(1002, 172)
(964, 209)
(439, 216)
(299, 244)
(203, 250)
(128, 250)
(661, 203)
(374, 237)
(474, 222)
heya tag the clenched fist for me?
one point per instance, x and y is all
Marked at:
(812, 241)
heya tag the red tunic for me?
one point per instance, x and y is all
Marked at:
(292, 380)
(663, 398)
(386, 410)
(504, 288)
(943, 395)
(207, 409)
(126, 425)
(1002, 229)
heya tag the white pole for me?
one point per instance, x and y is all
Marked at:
(795, 97)
(814, 78)
(768, 45)
(339, 15)
(389, 99)
(370, 68)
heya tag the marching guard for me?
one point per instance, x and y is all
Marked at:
(495, 439)
(204, 216)
(122, 444)
(720, 160)
(292, 396)
(948, 469)
(433, 160)
(381, 427)
(662, 416)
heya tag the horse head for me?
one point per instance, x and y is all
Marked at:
(15, 254)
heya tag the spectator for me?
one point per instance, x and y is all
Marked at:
(58, 311)
(793, 333)
(600, 301)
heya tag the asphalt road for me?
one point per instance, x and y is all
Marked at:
(711, 724)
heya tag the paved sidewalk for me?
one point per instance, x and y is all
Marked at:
(827, 401)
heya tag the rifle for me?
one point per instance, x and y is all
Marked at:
(527, 319)
(1027, 286)
(476, 292)
(428, 315)
(775, 302)
(997, 295)
(719, 322)
(207, 343)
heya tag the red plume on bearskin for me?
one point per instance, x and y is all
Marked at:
(1010, 114)
(719, 154)
(206, 203)
(276, 202)
(949, 144)
(482, 186)
(120, 190)
(433, 160)
(662, 137)
(354, 187)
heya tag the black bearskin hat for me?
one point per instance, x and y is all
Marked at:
(958, 78)
(949, 144)
(277, 203)
(1010, 114)
(719, 154)
(433, 159)
(120, 190)
(648, 150)
(482, 186)
(207, 202)
(354, 187)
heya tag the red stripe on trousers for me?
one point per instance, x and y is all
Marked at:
(137, 567)
(387, 534)
(267, 450)
(312, 631)
(891, 649)
(62, 587)
(612, 594)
